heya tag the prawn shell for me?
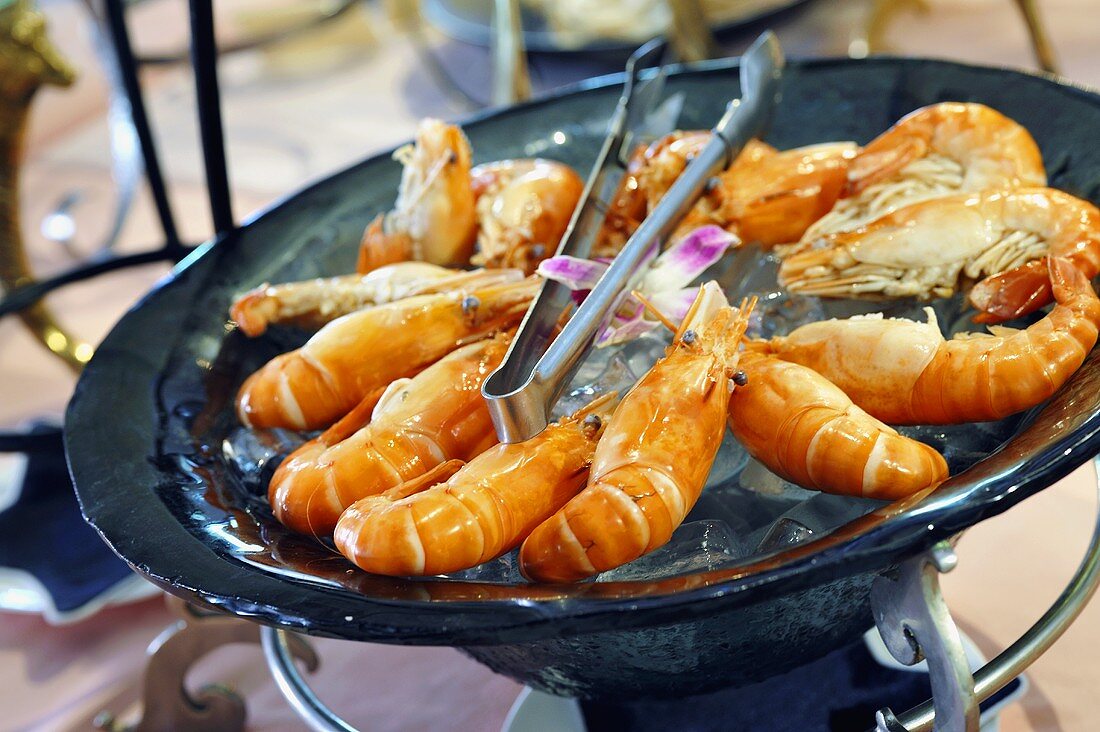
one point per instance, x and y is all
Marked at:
(436, 416)
(648, 471)
(353, 355)
(479, 513)
(806, 430)
(904, 372)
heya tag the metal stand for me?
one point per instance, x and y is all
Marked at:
(914, 623)
(911, 617)
(167, 705)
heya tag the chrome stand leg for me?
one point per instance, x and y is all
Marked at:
(915, 624)
(278, 650)
(1037, 33)
(912, 619)
(167, 705)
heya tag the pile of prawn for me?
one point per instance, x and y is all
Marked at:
(407, 478)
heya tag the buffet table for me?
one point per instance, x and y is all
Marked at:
(373, 91)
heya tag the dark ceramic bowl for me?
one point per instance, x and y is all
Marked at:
(144, 431)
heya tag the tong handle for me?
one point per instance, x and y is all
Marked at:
(523, 412)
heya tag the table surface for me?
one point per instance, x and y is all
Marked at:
(356, 87)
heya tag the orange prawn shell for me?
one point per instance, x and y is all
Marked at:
(904, 372)
(524, 207)
(773, 199)
(438, 415)
(655, 453)
(312, 387)
(807, 431)
(1003, 150)
(479, 513)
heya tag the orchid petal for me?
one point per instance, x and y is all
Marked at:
(573, 272)
(688, 258)
(675, 304)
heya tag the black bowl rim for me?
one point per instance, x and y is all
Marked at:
(869, 544)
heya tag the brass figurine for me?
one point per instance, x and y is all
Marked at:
(27, 62)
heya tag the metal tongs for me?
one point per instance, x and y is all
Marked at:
(522, 391)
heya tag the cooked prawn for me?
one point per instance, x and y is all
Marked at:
(654, 457)
(433, 219)
(650, 172)
(523, 208)
(904, 372)
(315, 385)
(459, 515)
(417, 424)
(764, 196)
(921, 250)
(805, 429)
(313, 303)
(934, 151)
(773, 199)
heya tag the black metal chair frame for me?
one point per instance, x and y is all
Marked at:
(204, 64)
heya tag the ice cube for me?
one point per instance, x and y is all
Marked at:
(783, 534)
(962, 445)
(820, 513)
(729, 461)
(756, 477)
(778, 313)
(502, 570)
(253, 455)
(695, 547)
(824, 512)
(642, 352)
(614, 374)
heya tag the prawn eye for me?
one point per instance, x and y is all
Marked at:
(740, 378)
(689, 337)
(470, 304)
(591, 425)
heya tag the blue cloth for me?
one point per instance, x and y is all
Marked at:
(43, 533)
(838, 693)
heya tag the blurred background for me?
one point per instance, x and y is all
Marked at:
(311, 86)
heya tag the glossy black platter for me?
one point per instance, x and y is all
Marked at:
(144, 431)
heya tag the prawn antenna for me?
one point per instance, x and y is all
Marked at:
(652, 310)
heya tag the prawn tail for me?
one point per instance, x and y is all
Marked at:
(354, 420)
(1066, 279)
(378, 248)
(1013, 293)
(253, 311)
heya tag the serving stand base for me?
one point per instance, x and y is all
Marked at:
(914, 626)
(841, 691)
